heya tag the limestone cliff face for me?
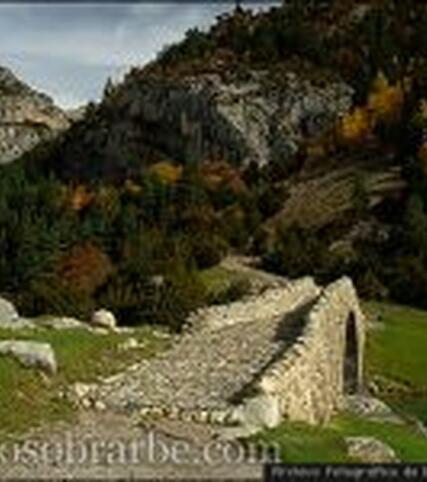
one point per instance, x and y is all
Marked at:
(195, 118)
(27, 117)
(254, 119)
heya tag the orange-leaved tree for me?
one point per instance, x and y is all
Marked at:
(85, 268)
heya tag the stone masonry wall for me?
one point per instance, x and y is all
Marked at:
(309, 380)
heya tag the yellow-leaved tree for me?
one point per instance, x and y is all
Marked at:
(385, 101)
(384, 106)
(355, 127)
(166, 172)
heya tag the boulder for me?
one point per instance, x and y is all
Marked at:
(370, 407)
(8, 313)
(10, 319)
(104, 319)
(30, 354)
(260, 411)
(370, 450)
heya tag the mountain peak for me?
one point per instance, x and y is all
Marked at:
(27, 117)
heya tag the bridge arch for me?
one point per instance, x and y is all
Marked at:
(351, 356)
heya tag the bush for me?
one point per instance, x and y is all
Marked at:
(369, 286)
(207, 250)
(408, 281)
(179, 294)
(233, 292)
(48, 295)
(167, 300)
(296, 252)
(85, 268)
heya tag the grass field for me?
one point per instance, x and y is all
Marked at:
(396, 359)
(302, 443)
(29, 397)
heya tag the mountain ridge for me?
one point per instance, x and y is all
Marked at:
(27, 117)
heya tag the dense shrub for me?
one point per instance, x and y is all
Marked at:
(162, 299)
(296, 252)
(48, 295)
(207, 249)
(85, 268)
(236, 290)
(407, 281)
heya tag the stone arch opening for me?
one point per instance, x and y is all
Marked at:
(351, 356)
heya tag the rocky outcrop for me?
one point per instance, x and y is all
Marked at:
(27, 117)
(195, 118)
(371, 408)
(318, 201)
(8, 313)
(104, 319)
(241, 120)
(30, 353)
(9, 317)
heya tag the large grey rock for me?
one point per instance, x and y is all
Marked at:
(261, 411)
(370, 407)
(8, 313)
(10, 319)
(104, 319)
(30, 354)
(370, 450)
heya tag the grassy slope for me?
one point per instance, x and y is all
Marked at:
(396, 356)
(28, 397)
(302, 443)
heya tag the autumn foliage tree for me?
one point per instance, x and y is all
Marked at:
(355, 127)
(385, 101)
(383, 107)
(85, 268)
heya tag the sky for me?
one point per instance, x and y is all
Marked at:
(69, 51)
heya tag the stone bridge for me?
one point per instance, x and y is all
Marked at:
(292, 351)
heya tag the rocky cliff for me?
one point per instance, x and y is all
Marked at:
(27, 117)
(209, 116)
(251, 119)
